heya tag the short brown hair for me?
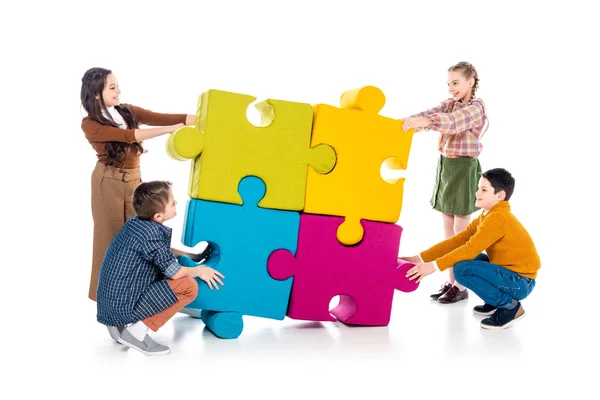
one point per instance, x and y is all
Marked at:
(150, 198)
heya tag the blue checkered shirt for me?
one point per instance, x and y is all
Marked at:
(132, 284)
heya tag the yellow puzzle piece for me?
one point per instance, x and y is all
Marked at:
(226, 147)
(363, 141)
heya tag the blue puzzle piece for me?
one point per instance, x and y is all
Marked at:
(242, 237)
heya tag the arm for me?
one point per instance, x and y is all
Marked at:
(446, 246)
(151, 118)
(458, 245)
(149, 133)
(421, 120)
(458, 121)
(421, 268)
(207, 274)
(161, 255)
(96, 132)
(489, 231)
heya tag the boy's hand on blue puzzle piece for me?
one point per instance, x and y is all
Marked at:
(210, 276)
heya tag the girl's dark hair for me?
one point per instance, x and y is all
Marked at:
(92, 85)
(150, 198)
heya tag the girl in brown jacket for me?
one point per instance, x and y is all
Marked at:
(113, 130)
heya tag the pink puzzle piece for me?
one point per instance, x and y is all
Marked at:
(364, 275)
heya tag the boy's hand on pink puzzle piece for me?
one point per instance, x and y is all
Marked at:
(210, 276)
(419, 271)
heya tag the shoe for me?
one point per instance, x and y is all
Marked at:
(445, 287)
(147, 346)
(502, 318)
(115, 331)
(453, 295)
(485, 309)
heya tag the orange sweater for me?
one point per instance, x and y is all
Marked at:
(500, 234)
(98, 134)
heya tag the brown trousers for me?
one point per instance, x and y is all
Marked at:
(112, 206)
(186, 290)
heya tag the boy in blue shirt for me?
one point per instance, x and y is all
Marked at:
(141, 284)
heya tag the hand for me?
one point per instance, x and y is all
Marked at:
(419, 271)
(210, 276)
(418, 123)
(413, 260)
(177, 126)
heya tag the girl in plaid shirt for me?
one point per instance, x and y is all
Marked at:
(461, 122)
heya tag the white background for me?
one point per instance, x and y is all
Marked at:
(538, 77)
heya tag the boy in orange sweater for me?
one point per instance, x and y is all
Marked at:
(507, 271)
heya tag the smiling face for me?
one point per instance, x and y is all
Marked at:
(459, 86)
(485, 196)
(111, 93)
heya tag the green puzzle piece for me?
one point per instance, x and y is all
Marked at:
(226, 147)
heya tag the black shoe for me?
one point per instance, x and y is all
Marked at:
(485, 309)
(453, 295)
(445, 287)
(502, 318)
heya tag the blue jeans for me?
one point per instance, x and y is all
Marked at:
(495, 285)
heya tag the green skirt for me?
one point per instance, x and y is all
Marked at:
(455, 185)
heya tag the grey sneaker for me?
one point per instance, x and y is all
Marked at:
(148, 346)
(115, 331)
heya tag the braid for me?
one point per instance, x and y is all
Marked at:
(476, 84)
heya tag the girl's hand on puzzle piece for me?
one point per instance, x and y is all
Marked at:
(210, 276)
(419, 271)
(415, 123)
(177, 126)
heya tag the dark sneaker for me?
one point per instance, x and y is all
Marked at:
(445, 287)
(485, 309)
(115, 331)
(453, 295)
(147, 346)
(502, 318)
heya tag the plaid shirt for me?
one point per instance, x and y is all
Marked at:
(132, 284)
(461, 129)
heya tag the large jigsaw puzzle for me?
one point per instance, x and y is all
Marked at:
(288, 237)
(363, 141)
(365, 276)
(241, 237)
(226, 147)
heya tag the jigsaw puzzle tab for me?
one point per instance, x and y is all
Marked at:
(241, 238)
(225, 147)
(363, 141)
(365, 276)
(226, 325)
(404, 284)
